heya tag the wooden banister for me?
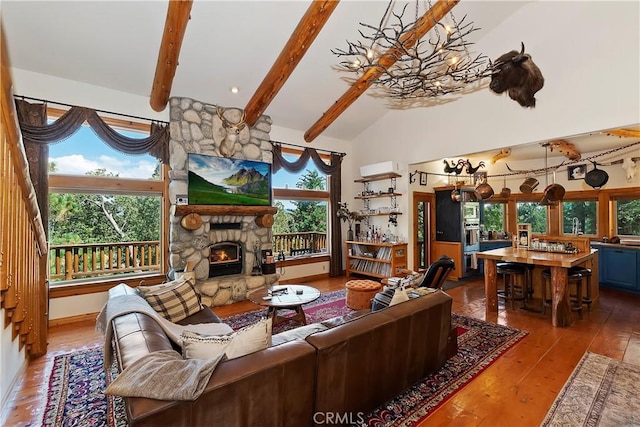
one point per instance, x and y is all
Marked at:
(23, 244)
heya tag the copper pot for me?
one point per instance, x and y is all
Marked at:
(554, 192)
(505, 192)
(483, 191)
(529, 185)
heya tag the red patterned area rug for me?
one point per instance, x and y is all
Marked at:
(76, 392)
(77, 381)
(479, 345)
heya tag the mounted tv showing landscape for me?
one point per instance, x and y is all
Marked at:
(223, 181)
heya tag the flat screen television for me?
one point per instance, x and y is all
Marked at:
(223, 181)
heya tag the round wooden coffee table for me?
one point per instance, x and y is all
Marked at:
(290, 297)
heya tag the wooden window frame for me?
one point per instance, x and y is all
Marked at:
(60, 183)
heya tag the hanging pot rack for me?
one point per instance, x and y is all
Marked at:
(544, 170)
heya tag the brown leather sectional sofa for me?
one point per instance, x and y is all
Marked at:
(337, 374)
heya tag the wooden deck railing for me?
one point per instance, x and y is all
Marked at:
(23, 245)
(293, 244)
(68, 262)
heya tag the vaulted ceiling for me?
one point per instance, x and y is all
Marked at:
(226, 43)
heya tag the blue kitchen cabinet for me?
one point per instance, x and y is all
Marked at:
(619, 268)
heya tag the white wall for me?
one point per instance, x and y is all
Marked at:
(12, 361)
(589, 85)
(588, 53)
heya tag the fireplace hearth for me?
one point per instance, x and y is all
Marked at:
(225, 259)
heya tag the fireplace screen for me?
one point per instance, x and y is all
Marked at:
(225, 258)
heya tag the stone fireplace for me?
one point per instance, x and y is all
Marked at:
(198, 127)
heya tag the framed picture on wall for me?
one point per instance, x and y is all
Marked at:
(576, 171)
(479, 177)
(423, 178)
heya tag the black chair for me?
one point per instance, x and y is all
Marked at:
(437, 273)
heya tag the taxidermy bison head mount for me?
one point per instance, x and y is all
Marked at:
(515, 72)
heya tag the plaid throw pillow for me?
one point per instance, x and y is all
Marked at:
(174, 304)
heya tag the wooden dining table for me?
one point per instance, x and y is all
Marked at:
(558, 263)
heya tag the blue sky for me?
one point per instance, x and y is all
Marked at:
(84, 152)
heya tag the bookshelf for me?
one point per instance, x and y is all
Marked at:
(379, 260)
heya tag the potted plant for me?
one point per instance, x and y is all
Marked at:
(349, 216)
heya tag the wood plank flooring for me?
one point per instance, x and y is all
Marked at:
(516, 390)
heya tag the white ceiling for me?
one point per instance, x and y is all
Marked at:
(227, 43)
(115, 44)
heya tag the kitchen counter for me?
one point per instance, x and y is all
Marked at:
(616, 245)
(558, 263)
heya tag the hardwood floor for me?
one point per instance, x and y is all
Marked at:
(516, 390)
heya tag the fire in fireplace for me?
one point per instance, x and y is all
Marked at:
(225, 258)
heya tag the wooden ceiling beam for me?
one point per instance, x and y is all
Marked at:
(624, 133)
(305, 33)
(178, 15)
(408, 39)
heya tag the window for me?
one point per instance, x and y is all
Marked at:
(580, 217)
(493, 217)
(301, 224)
(534, 214)
(105, 210)
(627, 213)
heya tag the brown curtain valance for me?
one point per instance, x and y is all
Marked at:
(334, 170)
(157, 144)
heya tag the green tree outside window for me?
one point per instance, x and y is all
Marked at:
(534, 214)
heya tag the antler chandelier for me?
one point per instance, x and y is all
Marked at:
(436, 64)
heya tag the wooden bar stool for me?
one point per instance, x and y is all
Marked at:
(576, 298)
(513, 291)
(585, 273)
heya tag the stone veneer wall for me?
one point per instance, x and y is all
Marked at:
(197, 128)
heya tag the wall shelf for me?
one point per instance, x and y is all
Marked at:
(379, 177)
(367, 195)
(377, 196)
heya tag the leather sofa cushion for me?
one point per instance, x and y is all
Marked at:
(362, 364)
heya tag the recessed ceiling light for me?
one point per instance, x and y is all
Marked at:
(234, 89)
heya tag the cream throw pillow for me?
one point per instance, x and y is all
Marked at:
(400, 295)
(247, 340)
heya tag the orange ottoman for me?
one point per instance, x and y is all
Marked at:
(360, 293)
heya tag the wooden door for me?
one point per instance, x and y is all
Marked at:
(423, 207)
